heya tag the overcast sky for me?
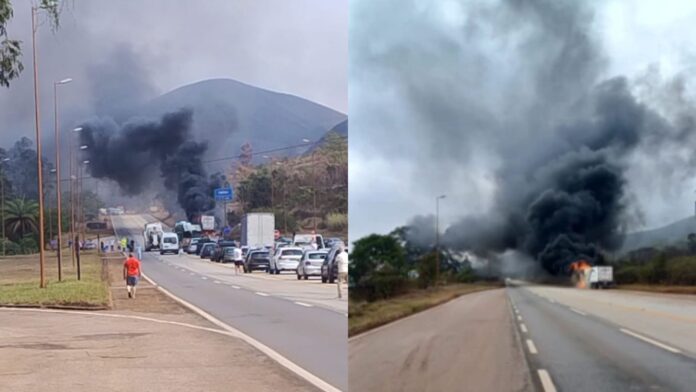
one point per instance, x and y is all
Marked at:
(298, 47)
(401, 152)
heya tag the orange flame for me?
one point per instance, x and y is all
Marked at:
(580, 269)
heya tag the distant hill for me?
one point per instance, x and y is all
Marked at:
(666, 235)
(340, 128)
(228, 113)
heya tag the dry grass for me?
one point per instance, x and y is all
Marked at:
(659, 288)
(19, 282)
(364, 316)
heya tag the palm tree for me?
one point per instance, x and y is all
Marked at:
(20, 217)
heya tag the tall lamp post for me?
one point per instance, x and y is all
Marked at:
(80, 196)
(2, 195)
(58, 195)
(73, 178)
(37, 123)
(437, 238)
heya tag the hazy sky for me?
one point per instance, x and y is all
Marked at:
(401, 151)
(298, 47)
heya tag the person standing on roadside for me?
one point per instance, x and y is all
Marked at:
(238, 260)
(131, 273)
(342, 265)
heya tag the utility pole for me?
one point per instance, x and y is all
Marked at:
(37, 123)
(58, 195)
(437, 238)
(73, 178)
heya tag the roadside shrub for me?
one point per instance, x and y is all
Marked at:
(11, 248)
(427, 270)
(682, 271)
(383, 285)
(466, 275)
(336, 221)
(627, 274)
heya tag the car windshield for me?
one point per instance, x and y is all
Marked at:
(170, 240)
(316, 256)
(291, 252)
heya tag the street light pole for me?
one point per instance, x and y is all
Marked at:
(72, 194)
(58, 195)
(37, 124)
(437, 238)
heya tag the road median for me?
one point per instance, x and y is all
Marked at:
(364, 316)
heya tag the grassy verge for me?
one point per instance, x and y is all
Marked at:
(19, 282)
(363, 316)
(659, 288)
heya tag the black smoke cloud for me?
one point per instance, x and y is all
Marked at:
(139, 152)
(519, 90)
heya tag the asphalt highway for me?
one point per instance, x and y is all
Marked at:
(311, 332)
(606, 340)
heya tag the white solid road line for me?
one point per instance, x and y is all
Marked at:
(546, 381)
(532, 348)
(293, 367)
(262, 294)
(523, 328)
(578, 312)
(651, 341)
(304, 304)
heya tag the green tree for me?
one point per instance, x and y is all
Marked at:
(10, 49)
(373, 253)
(20, 217)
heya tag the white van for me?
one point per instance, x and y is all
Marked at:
(170, 243)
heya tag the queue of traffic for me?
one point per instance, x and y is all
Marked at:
(260, 247)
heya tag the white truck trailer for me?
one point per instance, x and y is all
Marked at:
(600, 277)
(258, 229)
(153, 236)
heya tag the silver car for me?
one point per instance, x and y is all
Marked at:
(310, 263)
(285, 259)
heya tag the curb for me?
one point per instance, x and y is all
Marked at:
(59, 307)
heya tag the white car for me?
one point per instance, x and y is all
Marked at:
(170, 243)
(285, 259)
(310, 264)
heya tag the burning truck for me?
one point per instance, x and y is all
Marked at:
(585, 275)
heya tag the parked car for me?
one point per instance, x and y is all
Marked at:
(329, 268)
(207, 250)
(310, 264)
(202, 241)
(285, 259)
(193, 246)
(258, 259)
(228, 254)
(218, 254)
(245, 250)
(333, 241)
(87, 245)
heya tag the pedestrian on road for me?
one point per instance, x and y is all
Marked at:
(342, 264)
(238, 261)
(131, 273)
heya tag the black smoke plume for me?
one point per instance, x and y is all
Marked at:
(138, 153)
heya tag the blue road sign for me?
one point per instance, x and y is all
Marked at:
(223, 194)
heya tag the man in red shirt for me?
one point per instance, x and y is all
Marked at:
(131, 273)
